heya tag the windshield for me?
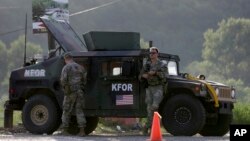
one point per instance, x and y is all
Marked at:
(172, 67)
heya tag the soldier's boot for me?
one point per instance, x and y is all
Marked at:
(81, 132)
(65, 132)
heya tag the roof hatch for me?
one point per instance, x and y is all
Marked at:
(64, 35)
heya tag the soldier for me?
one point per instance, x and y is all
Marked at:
(73, 80)
(154, 71)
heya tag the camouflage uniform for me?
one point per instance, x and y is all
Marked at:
(73, 80)
(154, 92)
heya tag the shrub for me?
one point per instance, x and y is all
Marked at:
(241, 113)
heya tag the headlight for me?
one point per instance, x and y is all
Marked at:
(203, 87)
(217, 91)
(233, 94)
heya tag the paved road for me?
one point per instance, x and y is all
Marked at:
(31, 137)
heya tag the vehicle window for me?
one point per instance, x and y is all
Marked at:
(117, 71)
(172, 68)
(121, 67)
(116, 68)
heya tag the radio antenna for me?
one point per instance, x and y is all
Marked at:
(25, 41)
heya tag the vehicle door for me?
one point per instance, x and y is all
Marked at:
(91, 88)
(119, 84)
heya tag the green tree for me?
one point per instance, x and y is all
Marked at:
(226, 55)
(226, 51)
(16, 52)
(14, 58)
(39, 7)
(226, 59)
(144, 44)
(241, 113)
(228, 48)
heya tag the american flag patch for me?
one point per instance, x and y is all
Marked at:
(124, 99)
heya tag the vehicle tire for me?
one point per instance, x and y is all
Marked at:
(218, 129)
(183, 115)
(91, 124)
(40, 115)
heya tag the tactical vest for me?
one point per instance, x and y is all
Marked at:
(75, 76)
(156, 79)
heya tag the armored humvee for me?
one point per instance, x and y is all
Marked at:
(113, 61)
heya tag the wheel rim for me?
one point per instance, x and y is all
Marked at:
(39, 115)
(183, 115)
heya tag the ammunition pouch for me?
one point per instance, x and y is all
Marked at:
(154, 82)
(157, 81)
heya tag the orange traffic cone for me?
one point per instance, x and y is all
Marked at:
(156, 128)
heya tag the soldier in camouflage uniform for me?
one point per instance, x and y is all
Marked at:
(154, 71)
(73, 80)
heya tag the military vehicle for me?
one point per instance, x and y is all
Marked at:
(113, 60)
